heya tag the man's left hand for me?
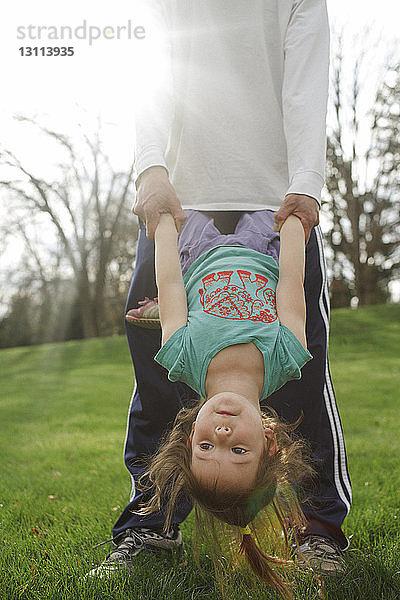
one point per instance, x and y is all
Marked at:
(304, 207)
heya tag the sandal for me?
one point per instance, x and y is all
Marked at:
(146, 316)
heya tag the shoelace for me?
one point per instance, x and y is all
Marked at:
(132, 538)
(314, 542)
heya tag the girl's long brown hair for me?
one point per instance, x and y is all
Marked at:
(270, 505)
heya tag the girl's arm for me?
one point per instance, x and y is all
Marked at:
(171, 291)
(290, 300)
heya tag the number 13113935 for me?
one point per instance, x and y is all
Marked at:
(46, 50)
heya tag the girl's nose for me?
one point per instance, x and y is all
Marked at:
(223, 430)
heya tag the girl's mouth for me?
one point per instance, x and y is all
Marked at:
(224, 412)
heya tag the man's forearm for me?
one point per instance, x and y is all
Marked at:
(305, 95)
(154, 106)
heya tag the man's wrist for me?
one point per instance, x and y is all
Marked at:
(306, 196)
(150, 172)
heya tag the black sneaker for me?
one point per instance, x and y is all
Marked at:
(134, 541)
(320, 554)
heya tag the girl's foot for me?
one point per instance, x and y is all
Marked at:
(146, 316)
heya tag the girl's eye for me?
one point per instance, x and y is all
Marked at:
(208, 446)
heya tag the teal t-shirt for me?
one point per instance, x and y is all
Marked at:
(231, 293)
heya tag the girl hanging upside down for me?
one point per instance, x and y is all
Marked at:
(233, 329)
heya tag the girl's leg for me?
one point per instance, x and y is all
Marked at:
(155, 400)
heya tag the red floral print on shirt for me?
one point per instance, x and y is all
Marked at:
(252, 300)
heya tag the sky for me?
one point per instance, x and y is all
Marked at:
(101, 77)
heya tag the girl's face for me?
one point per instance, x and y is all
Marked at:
(228, 439)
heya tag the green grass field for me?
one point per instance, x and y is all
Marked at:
(63, 482)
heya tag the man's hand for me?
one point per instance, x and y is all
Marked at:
(304, 207)
(155, 195)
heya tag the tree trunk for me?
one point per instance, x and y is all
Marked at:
(86, 307)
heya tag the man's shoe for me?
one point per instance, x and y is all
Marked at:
(135, 541)
(320, 554)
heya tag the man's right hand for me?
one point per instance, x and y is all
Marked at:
(155, 195)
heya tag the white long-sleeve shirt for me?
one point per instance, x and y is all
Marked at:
(236, 109)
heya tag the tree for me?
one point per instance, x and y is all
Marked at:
(365, 231)
(74, 227)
